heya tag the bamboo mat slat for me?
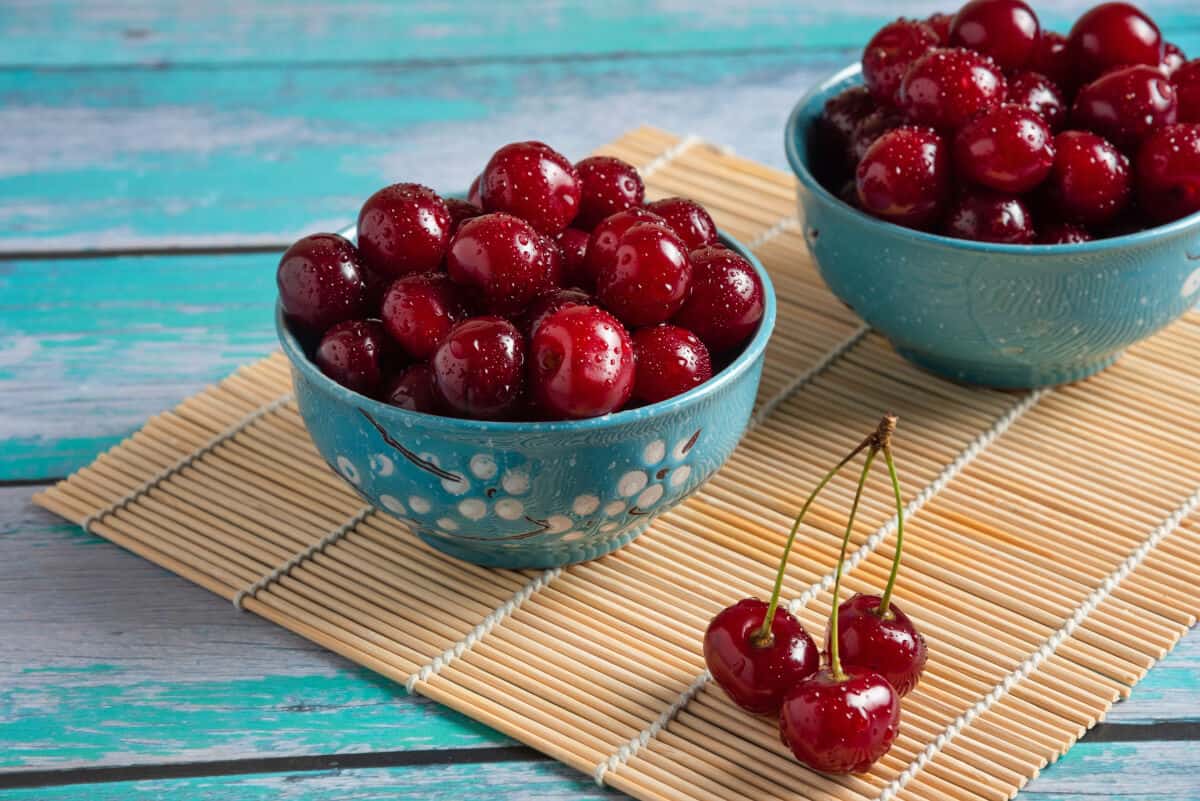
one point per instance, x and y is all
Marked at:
(1049, 562)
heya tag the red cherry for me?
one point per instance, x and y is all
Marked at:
(1090, 182)
(473, 196)
(891, 51)
(460, 212)
(415, 389)
(650, 278)
(502, 258)
(1125, 105)
(402, 229)
(549, 303)
(842, 113)
(1038, 93)
(552, 258)
(986, 216)
(1062, 234)
(1009, 148)
(889, 645)
(608, 185)
(1173, 59)
(1168, 172)
(573, 244)
(688, 219)
(905, 176)
(1112, 35)
(419, 310)
(670, 361)
(726, 301)
(1006, 30)
(1187, 90)
(582, 363)
(321, 281)
(1052, 59)
(479, 367)
(870, 128)
(946, 87)
(602, 245)
(532, 181)
(840, 725)
(940, 23)
(352, 354)
(756, 676)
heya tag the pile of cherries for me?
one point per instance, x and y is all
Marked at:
(554, 292)
(984, 126)
(843, 716)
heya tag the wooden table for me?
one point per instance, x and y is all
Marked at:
(153, 161)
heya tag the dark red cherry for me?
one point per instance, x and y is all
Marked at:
(581, 363)
(608, 185)
(757, 676)
(891, 51)
(842, 113)
(552, 257)
(905, 177)
(670, 361)
(353, 353)
(1062, 234)
(650, 278)
(502, 258)
(870, 128)
(983, 215)
(1173, 59)
(1090, 182)
(948, 86)
(549, 303)
(419, 310)
(1005, 30)
(479, 368)
(573, 244)
(1168, 172)
(1009, 148)
(1113, 35)
(414, 388)
(940, 23)
(842, 725)
(1125, 105)
(473, 196)
(726, 300)
(1187, 90)
(321, 282)
(602, 244)
(1038, 93)
(688, 219)
(532, 181)
(460, 211)
(1052, 59)
(402, 229)
(889, 645)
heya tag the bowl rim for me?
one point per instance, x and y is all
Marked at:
(752, 351)
(801, 114)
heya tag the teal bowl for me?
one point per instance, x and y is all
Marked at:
(1008, 316)
(531, 494)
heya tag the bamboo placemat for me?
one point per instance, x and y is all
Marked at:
(1050, 561)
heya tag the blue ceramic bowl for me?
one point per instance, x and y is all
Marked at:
(1001, 315)
(531, 495)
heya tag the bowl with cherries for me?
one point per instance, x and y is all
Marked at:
(530, 375)
(1009, 205)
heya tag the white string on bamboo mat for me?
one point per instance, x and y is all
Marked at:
(965, 457)
(186, 461)
(1047, 649)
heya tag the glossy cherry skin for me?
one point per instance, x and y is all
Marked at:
(460, 212)
(650, 278)
(890, 646)
(353, 353)
(473, 195)
(602, 244)
(1173, 59)
(986, 216)
(419, 310)
(870, 128)
(1090, 182)
(946, 87)
(552, 258)
(1006, 30)
(688, 219)
(532, 181)
(547, 304)
(479, 368)
(1113, 35)
(840, 726)
(1039, 94)
(757, 677)
(905, 177)
(414, 388)
(402, 229)
(1124, 105)
(940, 23)
(502, 258)
(891, 51)
(1187, 90)
(1052, 58)
(1168, 172)
(573, 244)
(1009, 149)
(842, 113)
(726, 301)
(608, 185)
(582, 363)
(322, 282)
(670, 361)
(1062, 234)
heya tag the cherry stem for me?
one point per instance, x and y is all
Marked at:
(835, 661)
(887, 593)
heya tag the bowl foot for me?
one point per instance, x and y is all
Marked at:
(533, 555)
(1016, 376)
